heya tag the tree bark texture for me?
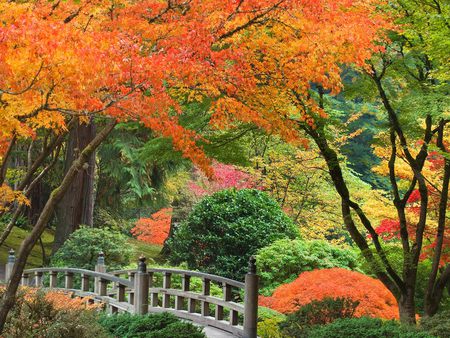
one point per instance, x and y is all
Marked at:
(77, 205)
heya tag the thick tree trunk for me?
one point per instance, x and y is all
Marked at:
(9, 297)
(77, 205)
(407, 307)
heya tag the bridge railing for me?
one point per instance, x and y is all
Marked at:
(144, 290)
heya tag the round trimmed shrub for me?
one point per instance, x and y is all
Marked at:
(282, 261)
(365, 328)
(83, 246)
(226, 228)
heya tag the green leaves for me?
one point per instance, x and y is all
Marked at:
(225, 229)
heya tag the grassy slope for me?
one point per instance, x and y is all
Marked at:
(35, 260)
(15, 239)
(150, 251)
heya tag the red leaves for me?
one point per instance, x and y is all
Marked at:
(375, 299)
(224, 177)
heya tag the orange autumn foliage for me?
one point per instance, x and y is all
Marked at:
(61, 300)
(375, 300)
(154, 230)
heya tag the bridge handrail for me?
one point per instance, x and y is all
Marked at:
(104, 276)
(138, 293)
(213, 278)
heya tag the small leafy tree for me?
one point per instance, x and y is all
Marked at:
(225, 229)
(154, 230)
(83, 246)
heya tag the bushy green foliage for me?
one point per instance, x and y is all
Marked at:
(365, 328)
(226, 228)
(285, 259)
(438, 325)
(83, 246)
(268, 323)
(318, 312)
(38, 317)
(161, 325)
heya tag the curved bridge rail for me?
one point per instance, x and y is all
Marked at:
(187, 294)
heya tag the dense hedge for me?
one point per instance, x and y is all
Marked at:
(365, 328)
(318, 312)
(161, 325)
(284, 260)
(226, 228)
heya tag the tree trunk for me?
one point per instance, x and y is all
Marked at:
(9, 297)
(407, 307)
(77, 205)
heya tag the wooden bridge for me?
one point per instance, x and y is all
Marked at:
(186, 294)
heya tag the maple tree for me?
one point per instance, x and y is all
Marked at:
(155, 229)
(258, 61)
(375, 300)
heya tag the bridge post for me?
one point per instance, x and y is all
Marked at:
(9, 265)
(99, 267)
(251, 300)
(141, 286)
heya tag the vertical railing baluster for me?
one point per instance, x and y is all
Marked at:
(234, 317)
(38, 282)
(69, 281)
(226, 297)
(185, 286)
(167, 283)
(103, 287)
(84, 282)
(206, 289)
(131, 294)
(25, 280)
(53, 279)
(121, 293)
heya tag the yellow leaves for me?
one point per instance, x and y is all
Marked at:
(8, 196)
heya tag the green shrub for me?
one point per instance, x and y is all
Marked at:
(438, 325)
(318, 312)
(36, 316)
(82, 248)
(365, 328)
(268, 323)
(161, 325)
(282, 261)
(226, 228)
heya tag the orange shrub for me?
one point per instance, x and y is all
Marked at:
(155, 229)
(375, 300)
(61, 300)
